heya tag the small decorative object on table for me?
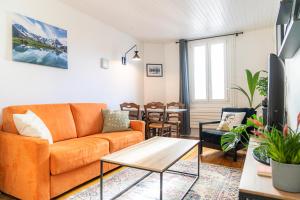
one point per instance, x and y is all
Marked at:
(154, 70)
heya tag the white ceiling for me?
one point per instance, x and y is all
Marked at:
(164, 20)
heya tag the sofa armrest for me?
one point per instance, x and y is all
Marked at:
(205, 123)
(211, 122)
(138, 125)
(24, 166)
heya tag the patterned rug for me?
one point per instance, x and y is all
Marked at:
(215, 182)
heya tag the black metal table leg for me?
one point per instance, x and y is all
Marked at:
(196, 177)
(101, 180)
(198, 168)
(161, 186)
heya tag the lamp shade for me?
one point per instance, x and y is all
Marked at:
(136, 56)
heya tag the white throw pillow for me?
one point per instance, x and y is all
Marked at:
(29, 124)
(230, 120)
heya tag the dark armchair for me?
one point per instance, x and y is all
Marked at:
(211, 138)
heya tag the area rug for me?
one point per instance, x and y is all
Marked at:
(215, 182)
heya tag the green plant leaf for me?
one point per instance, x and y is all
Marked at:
(259, 105)
(255, 79)
(236, 87)
(252, 82)
(262, 86)
(283, 149)
(229, 141)
(249, 79)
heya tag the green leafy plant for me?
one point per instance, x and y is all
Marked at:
(283, 147)
(252, 80)
(238, 134)
(230, 139)
(262, 86)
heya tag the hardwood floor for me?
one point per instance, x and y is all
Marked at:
(219, 158)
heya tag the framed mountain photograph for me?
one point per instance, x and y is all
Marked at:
(154, 70)
(38, 43)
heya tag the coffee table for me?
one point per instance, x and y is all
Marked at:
(155, 155)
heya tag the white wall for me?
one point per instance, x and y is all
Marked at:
(154, 86)
(172, 72)
(166, 88)
(292, 71)
(251, 52)
(84, 81)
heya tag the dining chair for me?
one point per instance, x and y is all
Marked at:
(134, 110)
(155, 103)
(155, 117)
(175, 118)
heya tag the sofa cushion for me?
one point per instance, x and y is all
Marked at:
(230, 120)
(88, 118)
(120, 140)
(29, 124)
(57, 117)
(115, 121)
(74, 153)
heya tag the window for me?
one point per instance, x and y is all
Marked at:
(208, 71)
(200, 72)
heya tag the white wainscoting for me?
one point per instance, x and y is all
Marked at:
(206, 112)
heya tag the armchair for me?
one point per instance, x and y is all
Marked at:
(211, 138)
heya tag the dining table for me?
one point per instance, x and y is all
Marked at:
(168, 110)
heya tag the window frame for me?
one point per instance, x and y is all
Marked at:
(227, 59)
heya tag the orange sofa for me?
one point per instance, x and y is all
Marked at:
(30, 168)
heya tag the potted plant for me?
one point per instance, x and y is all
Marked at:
(282, 147)
(262, 87)
(240, 133)
(252, 81)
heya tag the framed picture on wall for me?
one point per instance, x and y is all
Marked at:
(154, 70)
(39, 43)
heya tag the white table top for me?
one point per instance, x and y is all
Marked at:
(156, 154)
(168, 110)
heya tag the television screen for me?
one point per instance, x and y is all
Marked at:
(276, 92)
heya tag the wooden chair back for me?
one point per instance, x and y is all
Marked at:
(174, 116)
(155, 112)
(156, 103)
(134, 110)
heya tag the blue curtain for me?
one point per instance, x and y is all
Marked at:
(184, 85)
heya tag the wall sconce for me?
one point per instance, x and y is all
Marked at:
(136, 56)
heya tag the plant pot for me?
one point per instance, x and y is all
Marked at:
(286, 177)
(265, 115)
(264, 102)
